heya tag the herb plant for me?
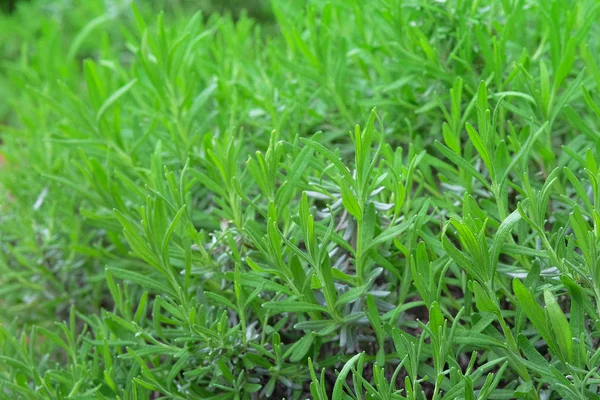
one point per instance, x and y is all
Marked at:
(396, 199)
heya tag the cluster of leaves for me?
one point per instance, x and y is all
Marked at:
(189, 210)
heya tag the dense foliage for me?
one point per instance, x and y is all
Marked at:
(189, 210)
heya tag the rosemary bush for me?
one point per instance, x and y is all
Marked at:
(395, 199)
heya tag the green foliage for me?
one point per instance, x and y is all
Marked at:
(189, 210)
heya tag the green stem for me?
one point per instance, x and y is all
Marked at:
(359, 259)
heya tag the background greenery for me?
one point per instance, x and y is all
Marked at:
(189, 210)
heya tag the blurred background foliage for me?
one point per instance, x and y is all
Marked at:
(55, 22)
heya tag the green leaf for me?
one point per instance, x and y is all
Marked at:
(169, 233)
(338, 388)
(225, 370)
(483, 300)
(351, 295)
(436, 319)
(142, 280)
(450, 139)
(481, 149)
(534, 312)
(579, 188)
(221, 300)
(374, 317)
(349, 200)
(462, 163)
(559, 326)
(138, 245)
(113, 98)
(294, 176)
(178, 367)
(335, 160)
(525, 149)
(84, 33)
(467, 337)
(389, 234)
(292, 306)
(500, 238)
(540, 364)
(576, 315)
(303, 345)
